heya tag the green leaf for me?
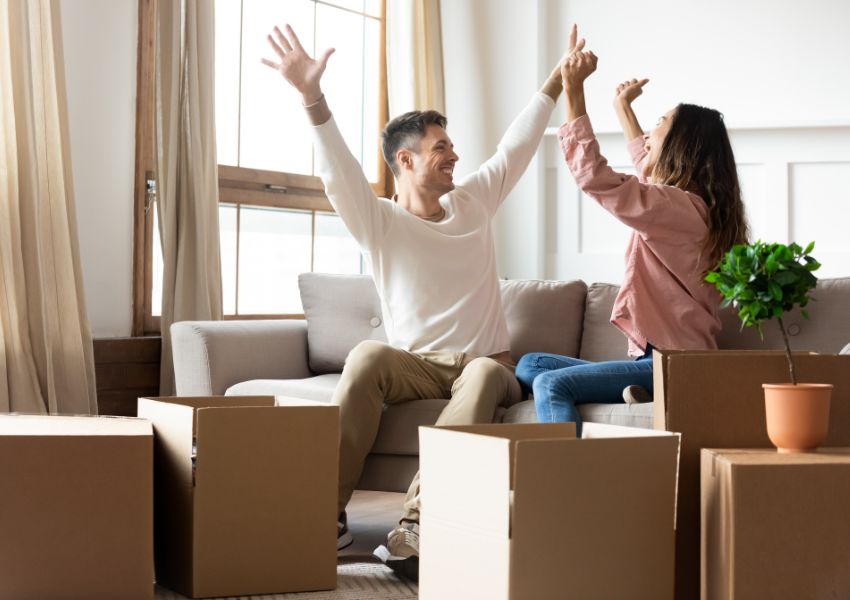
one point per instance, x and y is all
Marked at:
(775, 290)
(785, 277)
(805, 314)
(809, 248)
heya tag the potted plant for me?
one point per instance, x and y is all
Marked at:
(764, 281)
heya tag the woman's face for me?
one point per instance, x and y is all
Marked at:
(655, 140)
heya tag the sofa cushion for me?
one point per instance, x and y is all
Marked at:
(319, 388)
(827, 331)
(628, 415)
(557, 304)
(600, 340)
(341, 312)
(344, 310)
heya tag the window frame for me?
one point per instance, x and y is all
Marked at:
(239, 186)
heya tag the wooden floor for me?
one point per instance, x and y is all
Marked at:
(371, 515)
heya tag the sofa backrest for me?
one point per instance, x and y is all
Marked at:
(344, 310)
(600, 340)
(827, 332)
(562, 317)
(544, 316)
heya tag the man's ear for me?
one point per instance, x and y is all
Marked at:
(404, 159)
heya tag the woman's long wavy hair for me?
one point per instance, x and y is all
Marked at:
(697, 156)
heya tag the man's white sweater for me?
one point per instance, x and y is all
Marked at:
(437, 281)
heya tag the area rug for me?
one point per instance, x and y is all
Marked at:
(355, 581)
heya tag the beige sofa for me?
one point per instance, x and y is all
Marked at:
(303, 358)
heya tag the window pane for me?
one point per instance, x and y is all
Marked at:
(356, 5)
(275, 134)
(274, 247)
(343, 80)
(371, 99)
(336, 251)
(157, 267)
(372, 7)
(227, 224)
(227, 33)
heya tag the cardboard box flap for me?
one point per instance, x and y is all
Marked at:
(247, 507)
(216, 401)
(291, 401)
(604, 430)
(519, 431)
(465, 479)
(745, 457)
(630, 480)
(174, 427)
(83, 425)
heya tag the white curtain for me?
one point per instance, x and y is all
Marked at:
(46, 356)
(187, 173)
(414, 56)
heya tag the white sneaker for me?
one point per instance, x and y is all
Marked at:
(635, 394)
(401, 553)
(343, 536)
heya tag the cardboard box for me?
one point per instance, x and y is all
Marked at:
(775, 525)
(715, 400)
(255, 512)
(529, 511)
(76, 508)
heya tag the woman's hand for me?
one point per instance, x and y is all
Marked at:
(578, 66)
(629, 90)
(623, 98)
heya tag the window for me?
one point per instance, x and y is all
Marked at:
(275, 220)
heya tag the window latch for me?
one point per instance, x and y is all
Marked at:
(279, 189)
(150, 191)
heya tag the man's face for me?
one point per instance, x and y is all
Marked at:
(432, 164)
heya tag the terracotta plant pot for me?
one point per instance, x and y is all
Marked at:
(797, 415)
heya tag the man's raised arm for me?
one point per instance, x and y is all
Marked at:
(346, 186)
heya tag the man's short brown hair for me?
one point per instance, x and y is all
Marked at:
(405, 130)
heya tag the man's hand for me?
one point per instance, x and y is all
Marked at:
(629, 90)
(554, 85)
(296, 66)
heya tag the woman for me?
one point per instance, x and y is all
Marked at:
(685, 212)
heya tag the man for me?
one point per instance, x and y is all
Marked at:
(434, 264)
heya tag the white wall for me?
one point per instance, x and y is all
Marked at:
(100, 68)
(780, 71)
(491, 59)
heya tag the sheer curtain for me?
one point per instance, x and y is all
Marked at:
(46, 356)
(414, 56)
(187, 173)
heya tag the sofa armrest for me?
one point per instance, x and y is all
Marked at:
(211, 356)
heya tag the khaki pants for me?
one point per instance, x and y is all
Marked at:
(376, 374)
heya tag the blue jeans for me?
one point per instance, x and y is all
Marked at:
(559, 383)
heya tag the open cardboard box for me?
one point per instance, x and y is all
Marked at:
(715, 400)
(255, 512)
(528, 511)
(775, 525)
(76, 508)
